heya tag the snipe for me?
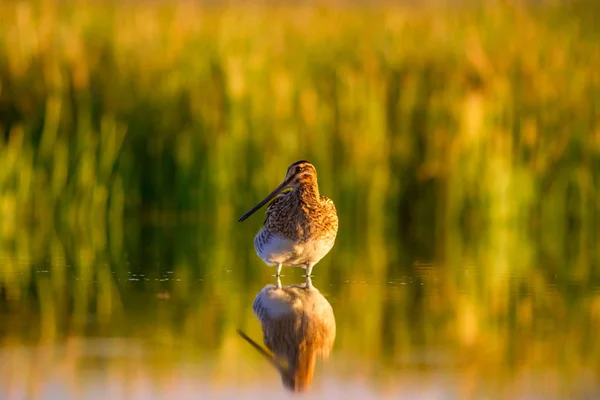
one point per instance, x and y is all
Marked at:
(301, 224)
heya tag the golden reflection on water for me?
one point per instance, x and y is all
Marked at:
(493, 317)
(298, 326)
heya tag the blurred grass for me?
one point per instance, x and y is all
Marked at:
(109, 109)
(468, 135)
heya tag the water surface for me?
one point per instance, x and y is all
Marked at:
(151, 312)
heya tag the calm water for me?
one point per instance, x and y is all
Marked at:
(151, 312)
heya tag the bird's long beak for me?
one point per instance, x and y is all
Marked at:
(268, 356)
(274, 193)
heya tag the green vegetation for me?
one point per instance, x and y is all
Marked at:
(113, 109)
(469, 136)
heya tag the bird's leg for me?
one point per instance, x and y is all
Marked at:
(309, 268)
(278, 273)
(308, 282)
(278, 283)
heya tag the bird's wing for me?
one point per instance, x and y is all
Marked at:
(328, 202)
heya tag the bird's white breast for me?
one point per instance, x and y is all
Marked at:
(274, 249)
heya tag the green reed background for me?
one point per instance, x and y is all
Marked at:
(464, 132)
(114, 109)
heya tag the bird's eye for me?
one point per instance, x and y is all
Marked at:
(298, 169)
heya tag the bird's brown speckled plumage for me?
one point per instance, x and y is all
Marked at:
(302, 214)
(301, 225)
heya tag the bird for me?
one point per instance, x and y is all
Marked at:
(301, 225)
(298, 326)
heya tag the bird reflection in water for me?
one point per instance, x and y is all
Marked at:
(298, 327)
